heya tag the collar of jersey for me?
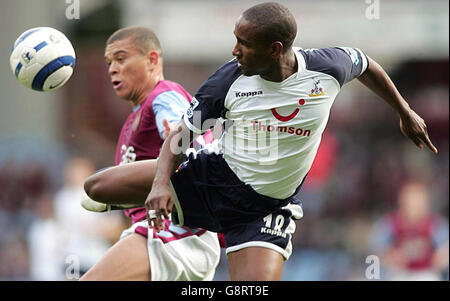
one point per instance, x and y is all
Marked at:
(300, 60)
(136, 108)
(301, 65)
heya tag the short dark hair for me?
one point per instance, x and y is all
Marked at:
(274, 22)
(144, 39)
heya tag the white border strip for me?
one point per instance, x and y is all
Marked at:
(191, 126)
(262, 244)
(177, 206)
(364, 59)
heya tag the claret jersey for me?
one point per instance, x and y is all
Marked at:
(273, 129)
(141, 136)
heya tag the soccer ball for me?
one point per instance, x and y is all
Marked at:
(42, 59)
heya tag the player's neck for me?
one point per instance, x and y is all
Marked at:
(286, 66)
(148, 89)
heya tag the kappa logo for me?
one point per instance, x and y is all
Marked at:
(249, 94)
(274, 227)
(285, 118)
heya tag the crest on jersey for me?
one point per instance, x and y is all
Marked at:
(190, 112)
(136, 121)
(317, 91)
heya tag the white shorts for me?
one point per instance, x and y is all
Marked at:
(180, 253)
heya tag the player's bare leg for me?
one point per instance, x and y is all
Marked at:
(255, 264)
(126, 260)
(123, 184)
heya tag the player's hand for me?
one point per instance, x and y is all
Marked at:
(158, 204)
(414, 127)
(167, 127)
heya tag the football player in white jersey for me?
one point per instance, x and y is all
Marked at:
(275, 99)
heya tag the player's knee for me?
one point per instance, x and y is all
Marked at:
(93, 188)
(95, 274)
(249, 275)
(90, 275)
(255, 264)
(256, 274)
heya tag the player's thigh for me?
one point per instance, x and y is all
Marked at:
(258, 248)
(125, 184)
(255, 264)
(126, 260)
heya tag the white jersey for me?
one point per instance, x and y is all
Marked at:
(273, 129)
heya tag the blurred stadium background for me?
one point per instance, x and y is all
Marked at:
(50, 141)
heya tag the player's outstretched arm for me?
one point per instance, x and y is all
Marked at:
(123, 184)
(160, 198)
(411, 124)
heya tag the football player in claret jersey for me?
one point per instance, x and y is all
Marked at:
(134, 59)
(412, 241)
(275, 99)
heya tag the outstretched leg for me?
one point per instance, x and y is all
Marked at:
(126, 260)
(123, 184)
(255, 264)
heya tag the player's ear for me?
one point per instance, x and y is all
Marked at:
(276, 48)
(153, 59)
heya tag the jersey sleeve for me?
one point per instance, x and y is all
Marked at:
(208, 104)
(168, 105)
(343, 63)
(440, 232)
(382, 235)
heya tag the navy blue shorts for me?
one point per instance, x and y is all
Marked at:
(209, 195)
